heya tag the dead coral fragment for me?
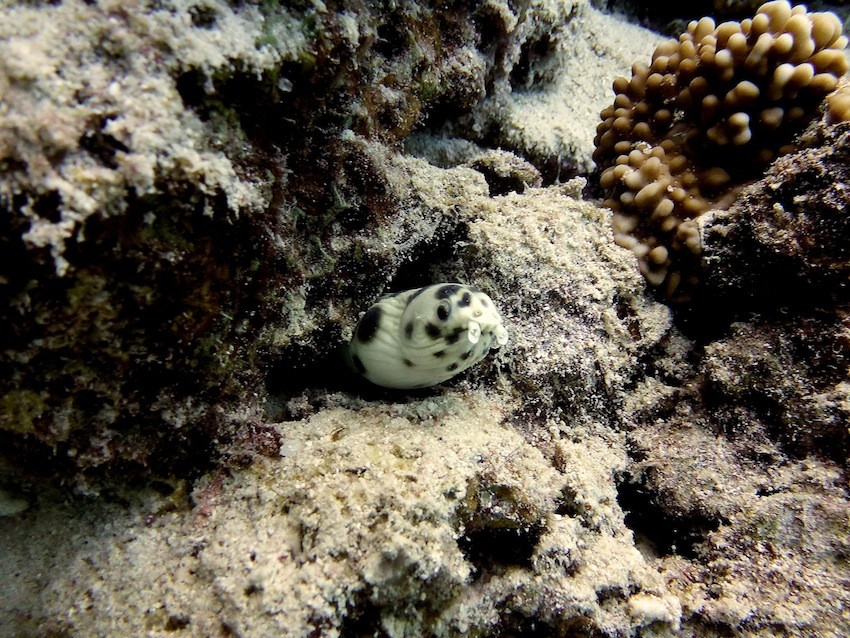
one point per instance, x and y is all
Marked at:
(710, 112)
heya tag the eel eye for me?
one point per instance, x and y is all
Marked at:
(444, 310)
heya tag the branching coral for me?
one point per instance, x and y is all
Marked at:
(713, 108)
(838, 104)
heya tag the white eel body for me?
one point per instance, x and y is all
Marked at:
(422, 337)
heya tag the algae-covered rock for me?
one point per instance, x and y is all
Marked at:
(114, 204)
(195, 198)
(431, 517)
(790, 377)
(748, 537)
(785, 238)
(738, 489)
(546, 107)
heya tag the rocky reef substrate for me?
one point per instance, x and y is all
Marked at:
(196, 201)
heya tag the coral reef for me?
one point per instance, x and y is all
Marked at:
(488, 507)
(838, 104)
(426, 519)
(784, 240)
(197, 199)
(193, 196)
(708, 114)
(751, 541)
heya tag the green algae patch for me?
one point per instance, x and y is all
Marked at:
(20, 410)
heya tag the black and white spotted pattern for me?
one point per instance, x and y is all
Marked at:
(421, 337)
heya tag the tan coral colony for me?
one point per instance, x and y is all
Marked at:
(709, 113)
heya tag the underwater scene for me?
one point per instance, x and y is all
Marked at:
(424, 318)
